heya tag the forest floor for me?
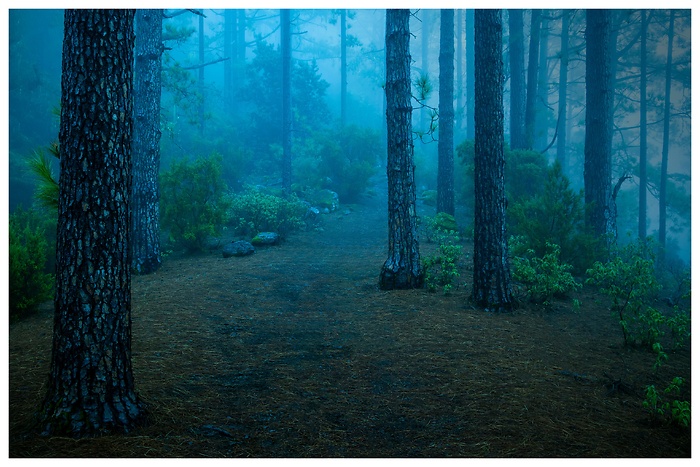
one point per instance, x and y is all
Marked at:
(294, 352)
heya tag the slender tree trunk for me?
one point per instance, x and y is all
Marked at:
(563, 83)
(643, 181)
(200, 80)
(91, 385)
(597, 172)
(469, 64)
(445, 185)
(286, 101)
(542, 104)
(517, 79)
(402, 269)
(459, 104)
(424, 63)
(343, 69)
(229, 34)
(664, 151)
(146, 145)
(532, 69)
(491, 287)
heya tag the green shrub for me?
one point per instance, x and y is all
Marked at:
(440, 269)
(29, 284)
(667, 405)
(545, 277)
(254, 211)
(436, 227)
(193, 204)
(628, 279)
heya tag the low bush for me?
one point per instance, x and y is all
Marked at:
(254, 211)
(194, 203)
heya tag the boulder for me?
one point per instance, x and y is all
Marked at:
(239, 248)
(266, 238)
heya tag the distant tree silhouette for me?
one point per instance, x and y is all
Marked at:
(445, 181)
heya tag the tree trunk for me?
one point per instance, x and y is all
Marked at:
(563, 82)
(91, 385)
(491, 287)
(146, 144)
(542, 104)
(445, 182)
(286, 101)
(532, 69)
(469, 64)
(343, 69)
(200, 77)
(664, 151)
(459, 104)
(424, 63)
(643, 181)
(402, 269)
(229, 34)
(517, 79)
(597, 171)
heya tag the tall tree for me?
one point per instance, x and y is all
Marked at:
(542, 105)
(200, 76)
(146, 145)
(286, 46)
(91, 384)
(532, 69)
(562, 91)
(664, 151)
(343, 68)
(643, 179)
(517, 79)
(491, 287)
(469, 65)
(445, 182)
(426, 18)
(459, 112)
(402, 269)
(597, 171)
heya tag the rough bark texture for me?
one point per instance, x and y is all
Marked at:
(491, 286)
(445, 182)
(516, 41)
(597, 169)
(146, 256)
(286, 101)
(91, 385)
(402, 269)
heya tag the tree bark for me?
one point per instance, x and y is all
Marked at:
(665, 147)
(643, 179)
(597, 171)
(517, 79)
(491, 287)
(146, 144)
(563, 82)
(286, 45)
(542, 104)
(402, 269)
(91, 384)
(445, 182)
(469, 65)
(459, 101)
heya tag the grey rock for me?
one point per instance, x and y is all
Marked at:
(239, 248)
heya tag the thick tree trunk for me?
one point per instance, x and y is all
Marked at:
(402, 269)
(469, 64)
(517, 79)
(91, 385)
(445, 182)
(491, 287)
(146, 144)
(563, 82)
(597, 171)
(532, 69)
(286, 101)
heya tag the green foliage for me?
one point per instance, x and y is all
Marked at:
(29, 284)
(341, 159)
(193, 205)
(440, 269)
(554, 216)
(545, 277)
(667, 405)
(47, 189)
(254, 211)
(628, 279)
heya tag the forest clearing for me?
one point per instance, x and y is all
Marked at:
(295, 352)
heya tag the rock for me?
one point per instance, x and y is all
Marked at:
(266, 238)
(239, 248)
(312, 217)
